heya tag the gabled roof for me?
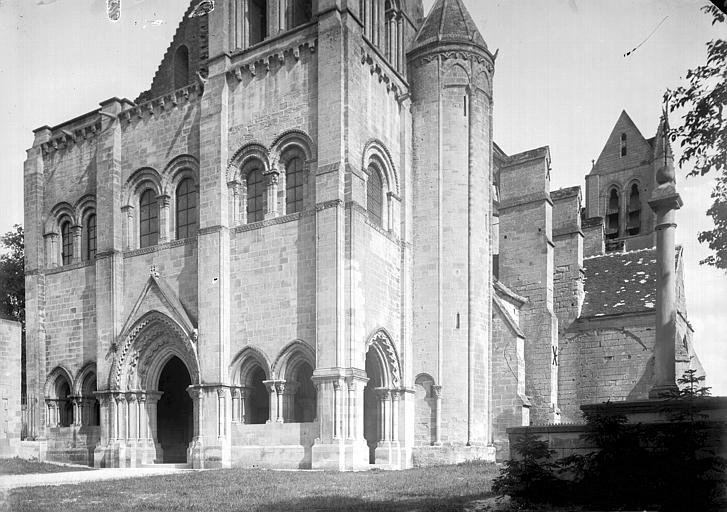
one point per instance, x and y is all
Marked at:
(620, 283)
(639, 149)
(449, 21)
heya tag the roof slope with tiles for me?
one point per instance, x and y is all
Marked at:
(620, 283)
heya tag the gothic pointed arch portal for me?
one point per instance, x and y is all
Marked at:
(382, 397)
(148, 408)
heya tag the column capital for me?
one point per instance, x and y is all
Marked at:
(383, 393)
(437, 392)
(164, 200)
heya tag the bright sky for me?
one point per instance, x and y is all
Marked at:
(561, 79)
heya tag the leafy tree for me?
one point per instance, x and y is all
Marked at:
(703, 133)
(12, 283)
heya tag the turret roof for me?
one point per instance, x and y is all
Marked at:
(449, 21)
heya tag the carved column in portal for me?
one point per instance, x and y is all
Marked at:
(437, 394)
(128, 227)
(164, 202)
(76, 233)
(233, 188)
(272, 193)
(291, 388)
(384, 395)
(51, 249)
(270, 385)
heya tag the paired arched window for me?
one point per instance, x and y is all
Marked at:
(375, 196)
(91, 237)
(633, 225)
(186, 215)
(255, 195)
(148, 219)
(66, 243)
(624, 146)
(258, 16)
(181, 67)
(295, 178)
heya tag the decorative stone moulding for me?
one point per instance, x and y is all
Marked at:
(371, 60)
(62, 138)
(262, 64)
(457, 54)
(166, 102)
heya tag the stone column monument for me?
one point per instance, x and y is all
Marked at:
(665, 201)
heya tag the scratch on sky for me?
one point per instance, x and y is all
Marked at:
(113, 9)
(647, 38)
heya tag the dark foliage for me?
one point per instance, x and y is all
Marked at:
(667, 467)
(703, 133)
(12, 284)
(530, 478)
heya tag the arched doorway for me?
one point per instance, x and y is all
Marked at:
(372, 403)
(175, 412)
(258, 407)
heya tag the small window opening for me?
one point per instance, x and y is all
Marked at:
(181, 67)
(67, 247)
(299, 12)
(457, 321)
(613, 215)
(624, 148)
(634, 223)
(258, 17)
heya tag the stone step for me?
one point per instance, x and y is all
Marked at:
(183, 465)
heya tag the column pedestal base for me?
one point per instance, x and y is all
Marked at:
(341, 456)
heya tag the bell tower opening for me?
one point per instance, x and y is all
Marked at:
(175, 412)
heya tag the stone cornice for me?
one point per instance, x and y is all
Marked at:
(379, 65)
(160, 247)
(507, 204)
(169, 101)
(254, 63)
(452, 50)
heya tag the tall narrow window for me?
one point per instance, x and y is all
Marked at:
(148, 219)
(294, 184)
(613, 215)
(67, 243)
(258, 17)
(375, 192)
(186, 209)
(634, 223)
(255, 196)
(181, 67)
(299, 12)
(90, 237)
(624, 148)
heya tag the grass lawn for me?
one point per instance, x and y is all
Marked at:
(19, 466)
(440, 488)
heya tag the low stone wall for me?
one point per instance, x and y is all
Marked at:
(10, 408)
(273, 445)
(74, 445)
(423, 456)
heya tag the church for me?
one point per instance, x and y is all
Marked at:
(301, 248)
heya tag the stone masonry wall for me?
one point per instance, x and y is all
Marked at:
(605, 359)
(70, 319)
(508, 376)
(526, 266)
(273, 287)
(10, 413)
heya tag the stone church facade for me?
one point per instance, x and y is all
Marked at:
(302, 249)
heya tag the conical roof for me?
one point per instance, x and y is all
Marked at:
(449, 21)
